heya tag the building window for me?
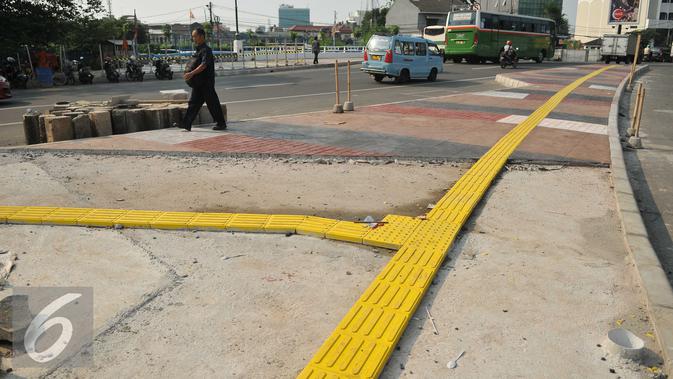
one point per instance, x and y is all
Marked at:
(662, 16)
(670, 16)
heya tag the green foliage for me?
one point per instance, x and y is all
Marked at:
(374, 22)
(553, 11)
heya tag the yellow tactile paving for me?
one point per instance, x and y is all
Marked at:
(173, 220)
(315, 226)
(248, 223)
(7, 212)
(348, 231)
(66, 216)
(31, 215)
(138, 219)
(210, 221)
(283, 223)
(393, 233)
(101, 217)
(363, 341)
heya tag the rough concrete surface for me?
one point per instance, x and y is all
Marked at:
(340, 190)
(531, 287)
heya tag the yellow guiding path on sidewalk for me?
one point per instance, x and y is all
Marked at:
(364, 340)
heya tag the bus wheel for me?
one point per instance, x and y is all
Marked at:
(457, 60)
(540, 57)
(433, 75)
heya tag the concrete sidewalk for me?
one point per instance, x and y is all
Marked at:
(451, 126)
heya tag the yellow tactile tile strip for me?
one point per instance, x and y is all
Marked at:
(363, 341)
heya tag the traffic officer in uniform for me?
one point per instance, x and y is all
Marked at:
(201, 77)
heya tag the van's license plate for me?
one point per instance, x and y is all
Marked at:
(460, 42)
(376, 57)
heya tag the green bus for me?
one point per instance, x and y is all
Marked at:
(479, 36)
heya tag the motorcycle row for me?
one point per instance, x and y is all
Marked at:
(75, 70)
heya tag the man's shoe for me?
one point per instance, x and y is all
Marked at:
(220, 127)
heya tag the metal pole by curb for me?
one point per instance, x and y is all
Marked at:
(348, 105)
(635, 62)
(634, 140)
(338, 108)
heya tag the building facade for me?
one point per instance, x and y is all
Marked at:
(412, 16)
(593, 18)
(289, 16)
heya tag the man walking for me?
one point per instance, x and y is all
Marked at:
(201, 77)
(316, 49)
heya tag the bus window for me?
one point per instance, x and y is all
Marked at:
(488, 21)
(462, 18)
(398, 47)
(506, 23)
(421, 49)
(552, 28)
(434, 31)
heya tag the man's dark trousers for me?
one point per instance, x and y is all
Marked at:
(315, 60)
(200, 94)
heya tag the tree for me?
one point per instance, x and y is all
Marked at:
(168, 33)
(294, 36)
(42, 22)
(553, 11)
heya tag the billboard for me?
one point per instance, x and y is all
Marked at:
(624, 12)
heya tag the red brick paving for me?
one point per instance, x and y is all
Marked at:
(440, 113)
(233, 143)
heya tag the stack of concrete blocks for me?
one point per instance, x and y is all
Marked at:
(118, 116)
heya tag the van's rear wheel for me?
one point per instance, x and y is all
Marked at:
(378, 78)
(404, 77)
(433, 75)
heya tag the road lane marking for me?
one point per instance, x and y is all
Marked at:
(503, 94)
(552, 123)
(11, 123)
(27, 107)
(260, 86)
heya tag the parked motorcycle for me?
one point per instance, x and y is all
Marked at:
(509, 58)
(134, 70)
(12, 72)
(84, 73)
(162, 70)
(111, 72)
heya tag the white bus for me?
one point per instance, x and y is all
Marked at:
(436, 34)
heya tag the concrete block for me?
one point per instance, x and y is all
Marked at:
(119, 125)
(204, 116)
(82, 127)
(224, 111)
(101, 123)
(174, 115)
(43, 130)
(135, 119)
(59, 129)
(116, 100)
(72, 115)
(31, 128)
(156, 118)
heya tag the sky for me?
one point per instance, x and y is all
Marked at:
(251, 12)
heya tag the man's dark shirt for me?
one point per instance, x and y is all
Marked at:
(203, 54)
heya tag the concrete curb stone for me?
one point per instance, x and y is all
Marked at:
(652, 276)
(510, 82)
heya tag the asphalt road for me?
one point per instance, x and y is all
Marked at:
(651, 167)
(261, 95)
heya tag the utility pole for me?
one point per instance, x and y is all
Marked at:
(210, 9)
(236, 11)
(135, 33)
(334, 30)
(109, 8)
